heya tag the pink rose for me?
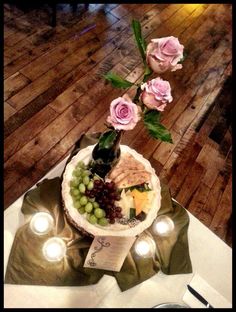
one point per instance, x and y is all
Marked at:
(164, 54)
(124, 114)
(156, 94)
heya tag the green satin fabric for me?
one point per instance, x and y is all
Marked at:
(27, 265)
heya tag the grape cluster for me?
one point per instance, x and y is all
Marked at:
(106, 194)
(82, 183)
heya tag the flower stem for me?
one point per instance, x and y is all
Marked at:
(136, 97)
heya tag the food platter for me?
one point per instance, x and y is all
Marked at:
(117, 229)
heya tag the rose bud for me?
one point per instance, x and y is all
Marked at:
(156, 94)
(163, 54)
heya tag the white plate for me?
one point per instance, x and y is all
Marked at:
(111, 229)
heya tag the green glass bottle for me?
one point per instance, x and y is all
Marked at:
(106, 152)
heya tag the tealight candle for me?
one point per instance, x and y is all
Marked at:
(145, 246)
(163, 226)
(41, 223)
(54, 249)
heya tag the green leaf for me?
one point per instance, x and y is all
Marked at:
(155, 128)
(148, 71)
(107, 139)
(136, 26)
(117, 81)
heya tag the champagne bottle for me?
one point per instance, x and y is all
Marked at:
(106, 152)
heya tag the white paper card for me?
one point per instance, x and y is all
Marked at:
(108, 252)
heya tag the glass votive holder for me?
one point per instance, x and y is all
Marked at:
(41, 223)
(145, 246)
(163, 226)
(54, 249)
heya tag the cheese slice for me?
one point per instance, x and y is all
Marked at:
(140, 200)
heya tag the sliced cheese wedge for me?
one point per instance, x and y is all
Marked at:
(140, 200)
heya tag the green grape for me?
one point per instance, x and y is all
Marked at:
(88, 216)
(77, 204)
(81, 164)
(73, 183)
(88, 207)
(99, 213)
(92, 219)
(86, 173)
(92, 200)
(96, 177)
(83, 200)
(95, 205)
(86, 180)
(82, 188)
(103, 221)
(78, 172)
(77, 197)
(81, 210)
(77, 181)
(90, 185)
(74, 192)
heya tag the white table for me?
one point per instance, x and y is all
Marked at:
(211, 259)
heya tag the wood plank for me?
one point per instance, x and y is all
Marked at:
(120, 11)
(206, 124)
(38, 86)
(28, 131)
(45, 39)
(190, 77)
(209, 208)
(202, 95)
(227, 168)
(23, 30)
(164, 150)
(13, 84)
(210, 159)
(74, 92)
(24, 97)
(41, 101)
(168, 168)
(190, 184)
(7, 31)
(27, 45)
(169, 116)
(195, 16)
(51, 58)
(199, 200)
(223, 212)
(50, 94)
(8, 111)
(182, 166)
(25, 158)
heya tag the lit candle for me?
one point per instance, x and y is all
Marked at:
(145, 246)
(41, 223)
(54, 249)
(163, 226)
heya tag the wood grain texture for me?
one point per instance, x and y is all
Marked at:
(54, 91)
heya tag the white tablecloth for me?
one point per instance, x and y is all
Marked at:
(211, 259)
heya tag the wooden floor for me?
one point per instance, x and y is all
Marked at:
(54, 91)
